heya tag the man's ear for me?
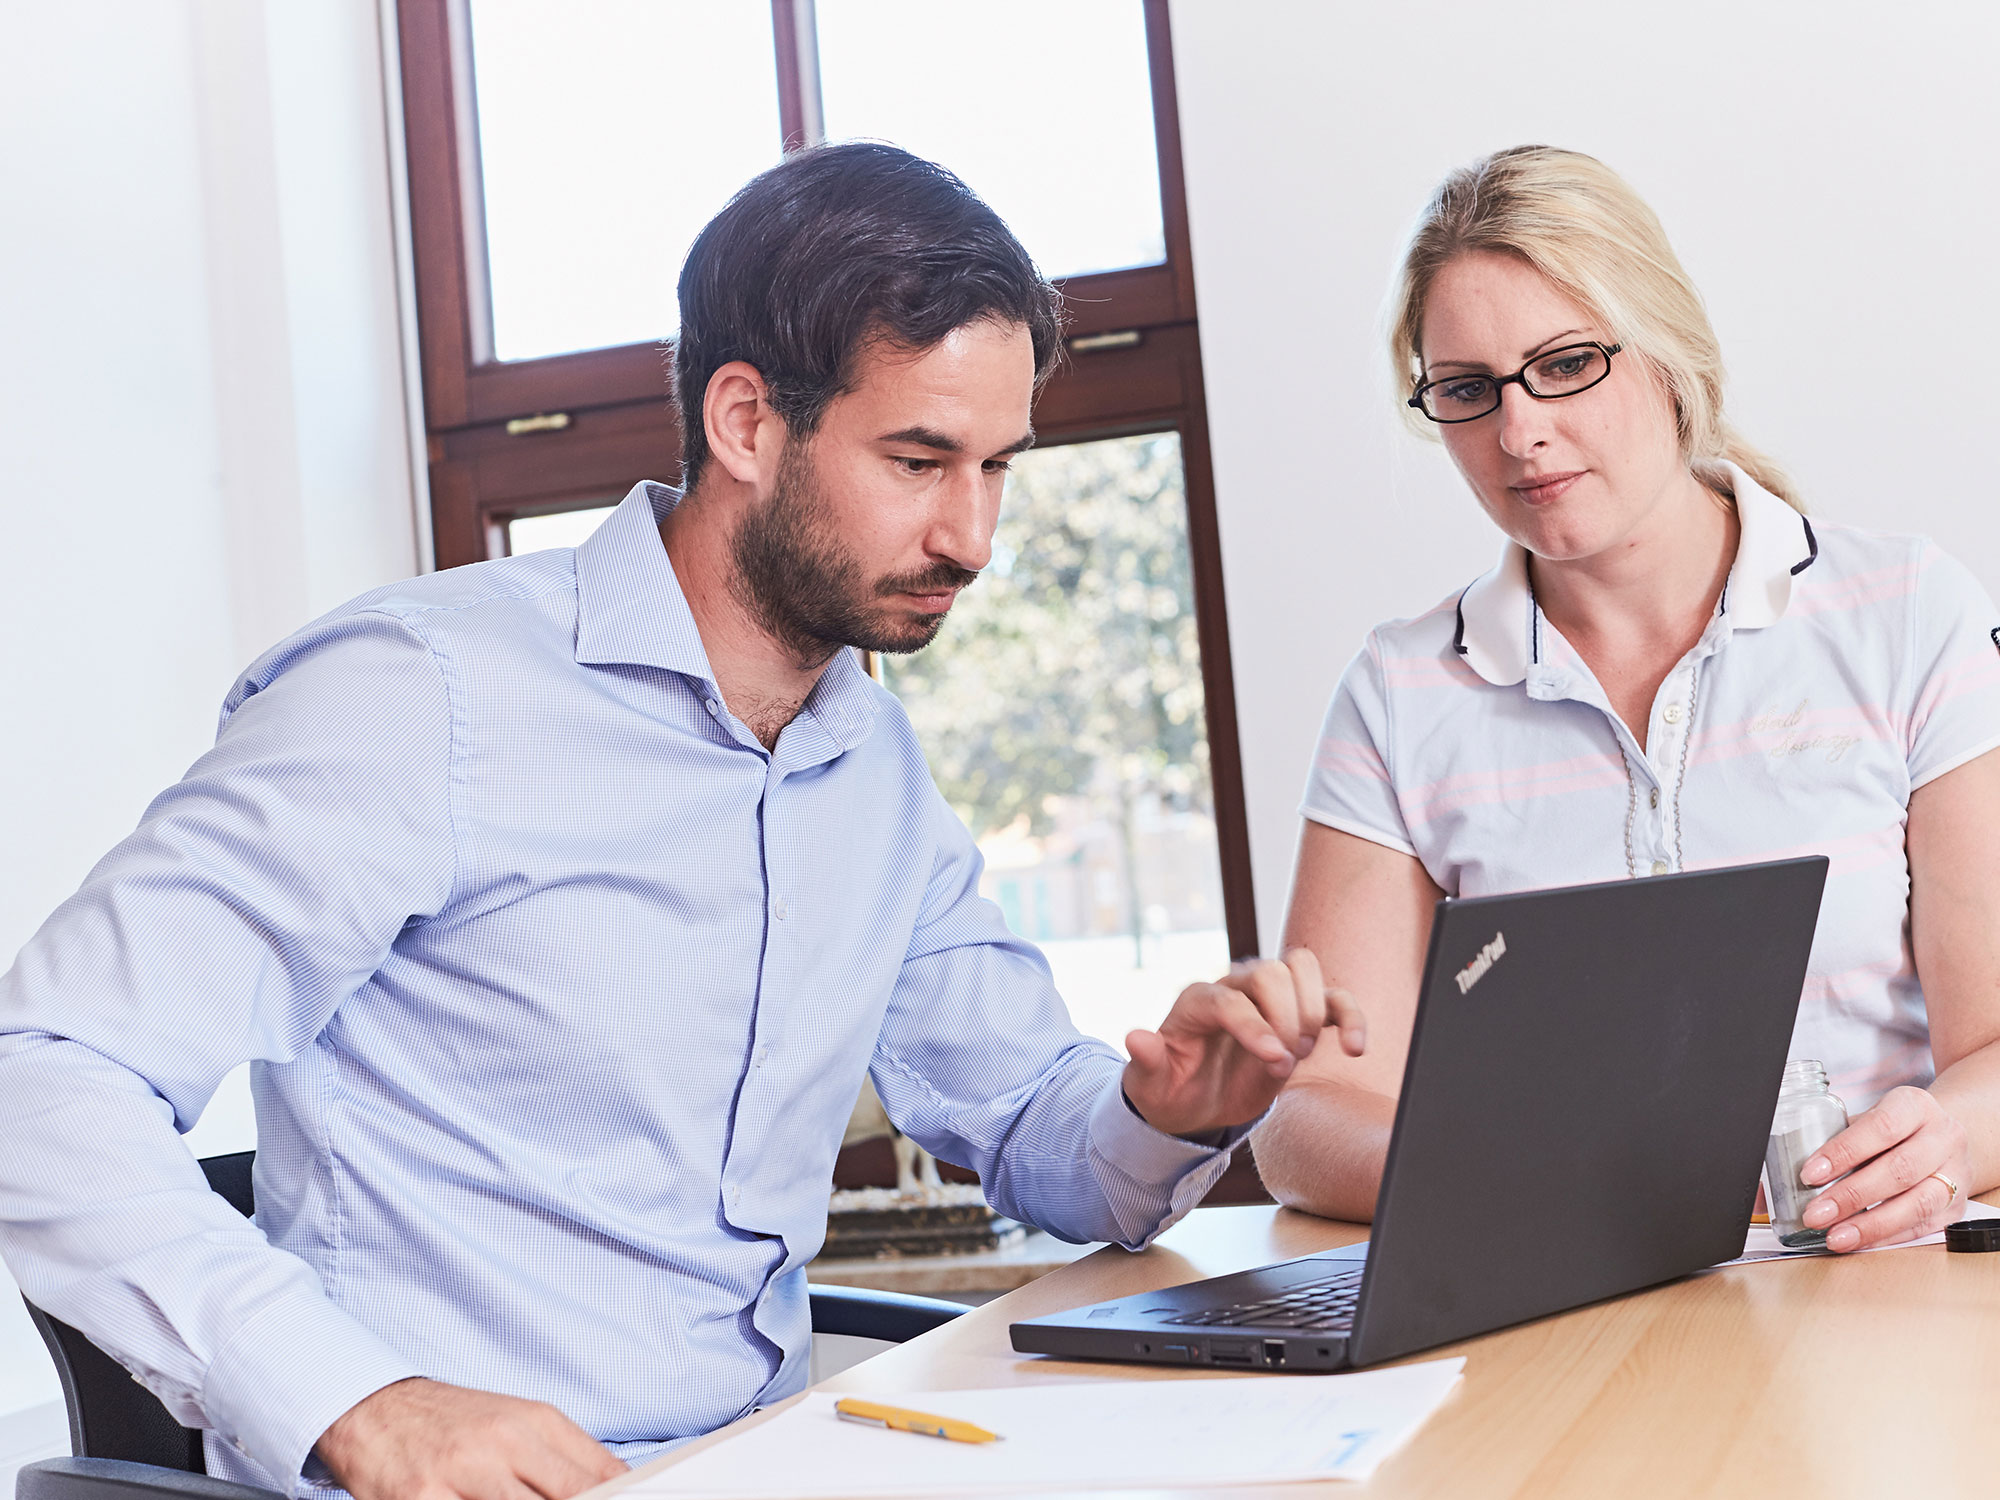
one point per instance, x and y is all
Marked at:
(744, 435)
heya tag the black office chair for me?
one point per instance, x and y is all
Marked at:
(126, 1446)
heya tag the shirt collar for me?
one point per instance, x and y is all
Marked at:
(629, 604)
(1497, 629)
(1777, 545)
(1495, 632)
(631, 610)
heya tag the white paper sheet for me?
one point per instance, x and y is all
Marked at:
(1762, 1243)
(1134, 1433)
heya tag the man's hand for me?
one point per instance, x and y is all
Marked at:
(1225, 1049)
(425, 1440)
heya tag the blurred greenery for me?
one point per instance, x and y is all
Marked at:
(1071, 667)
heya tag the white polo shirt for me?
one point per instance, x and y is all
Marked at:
(1843, 670)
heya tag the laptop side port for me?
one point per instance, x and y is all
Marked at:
(1274, 1352)
(1231, 1352)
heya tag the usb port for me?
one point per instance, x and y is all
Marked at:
(1231, 1352)
(1274, 1351)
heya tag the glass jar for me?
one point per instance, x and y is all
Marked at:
(1808, 1117)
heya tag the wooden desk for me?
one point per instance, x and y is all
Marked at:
(1877, 1375)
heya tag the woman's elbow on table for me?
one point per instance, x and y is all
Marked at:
(1321, 1148)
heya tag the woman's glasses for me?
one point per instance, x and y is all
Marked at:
(1546, 377)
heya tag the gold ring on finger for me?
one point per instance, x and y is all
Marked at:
(1949, 1186)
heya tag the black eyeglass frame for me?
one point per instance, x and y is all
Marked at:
(1520, 378)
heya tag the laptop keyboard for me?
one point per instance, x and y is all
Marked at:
(1325, 1306)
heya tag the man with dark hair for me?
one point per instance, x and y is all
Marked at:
(563, 902)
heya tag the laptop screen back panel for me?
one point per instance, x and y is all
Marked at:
(1524, 1180)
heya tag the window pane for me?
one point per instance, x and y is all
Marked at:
(1044, 107)
(1062, 712)
(566, 528)
(610, 131)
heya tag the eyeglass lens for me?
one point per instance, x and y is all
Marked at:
(1560, 372)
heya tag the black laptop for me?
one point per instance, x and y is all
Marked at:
(1590, 1086)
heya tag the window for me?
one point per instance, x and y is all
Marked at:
(590, 193)
(1069, 162)
(1062, 713)
(561, 160)
(561, 528)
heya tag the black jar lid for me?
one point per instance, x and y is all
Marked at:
(1973, 1236)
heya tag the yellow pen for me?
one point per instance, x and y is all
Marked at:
(851, 1409)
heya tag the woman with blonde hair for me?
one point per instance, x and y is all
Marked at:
(1671, 667)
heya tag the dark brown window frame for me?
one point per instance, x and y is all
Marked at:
(605, 421)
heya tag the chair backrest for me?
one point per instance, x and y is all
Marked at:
(111, 1415)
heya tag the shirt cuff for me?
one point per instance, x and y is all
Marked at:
(1162, 1166)
(288, 1375)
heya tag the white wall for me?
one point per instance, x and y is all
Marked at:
(1826, 171)
(202, 434)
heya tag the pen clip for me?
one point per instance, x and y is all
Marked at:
(854, 1416)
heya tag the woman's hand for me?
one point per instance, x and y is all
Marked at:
(1892, 1160)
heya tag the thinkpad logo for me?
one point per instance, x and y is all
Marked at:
(1485, 959)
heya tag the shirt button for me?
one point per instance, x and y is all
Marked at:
(1653, 797)
(781, 908)
(1673, 713)
(713, 710)
(1659, 867)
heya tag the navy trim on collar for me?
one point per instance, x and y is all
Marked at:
(1812, 542)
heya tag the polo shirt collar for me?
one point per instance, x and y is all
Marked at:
(1498, 630)
(1495, 632)
(631, 610)
(1777, 544)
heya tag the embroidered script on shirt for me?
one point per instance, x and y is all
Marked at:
(1790, 743)
(1483, 960)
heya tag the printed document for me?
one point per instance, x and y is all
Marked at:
(1088, 1434)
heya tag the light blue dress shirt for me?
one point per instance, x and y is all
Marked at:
(559, 990)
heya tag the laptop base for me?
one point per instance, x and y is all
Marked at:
(1149, 1329)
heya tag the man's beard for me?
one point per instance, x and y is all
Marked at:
(806, 589)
